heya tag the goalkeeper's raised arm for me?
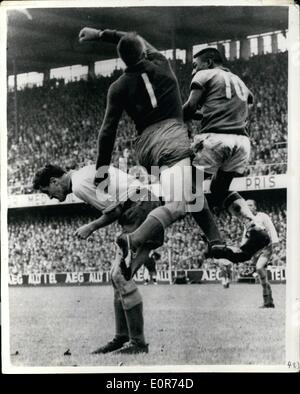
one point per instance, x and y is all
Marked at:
(111, 36)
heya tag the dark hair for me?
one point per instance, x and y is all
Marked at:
(43, 175)
(210, 53)
(130, 48)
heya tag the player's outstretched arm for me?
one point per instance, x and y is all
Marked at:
(149, 48)
(86, 230)
(110, 36)
(90, 34)
(107, 133)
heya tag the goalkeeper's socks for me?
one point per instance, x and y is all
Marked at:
(149, 228)
(120, 319)
(135, 320)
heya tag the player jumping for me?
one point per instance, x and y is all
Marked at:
(220, 100)
(148, 92)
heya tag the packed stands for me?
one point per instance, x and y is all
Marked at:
(45, 242)
(59, 122)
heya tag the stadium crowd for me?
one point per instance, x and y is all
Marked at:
(59, 122)
(41, 243)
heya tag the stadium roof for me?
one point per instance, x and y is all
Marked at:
(42, 38)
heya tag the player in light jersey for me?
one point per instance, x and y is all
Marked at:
(262, 258)
(128, 305)
(148, 92)
(220, 100)
(225, 272)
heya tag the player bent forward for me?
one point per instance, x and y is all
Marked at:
(128, 304)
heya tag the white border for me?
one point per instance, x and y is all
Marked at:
(139, 3)
(293, 271)
(293, 192)
(4, 234)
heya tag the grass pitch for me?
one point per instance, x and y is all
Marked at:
(184, 324)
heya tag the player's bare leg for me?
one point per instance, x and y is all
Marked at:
(261, 269)
(206, 222)
(232, 201)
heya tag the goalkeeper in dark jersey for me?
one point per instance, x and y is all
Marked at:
(148, 92)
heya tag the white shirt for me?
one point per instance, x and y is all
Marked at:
(265, 221)
(120, 186)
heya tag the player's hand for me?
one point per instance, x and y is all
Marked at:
(84, 232)
(89, 34)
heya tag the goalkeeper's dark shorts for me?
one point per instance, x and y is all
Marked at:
(163, 144)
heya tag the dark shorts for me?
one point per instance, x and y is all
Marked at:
(134, 214)
(150, 265)
(163, 144)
